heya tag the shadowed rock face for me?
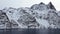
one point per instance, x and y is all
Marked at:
(37, 16)
(4, 21)
(50, 5)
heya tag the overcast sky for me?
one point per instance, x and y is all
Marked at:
(27, 3)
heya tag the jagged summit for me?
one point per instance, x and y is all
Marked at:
(39, 6)
(42, 3)
(51, 6)
(42, 6)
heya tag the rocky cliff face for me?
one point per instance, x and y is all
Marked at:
(4, 20)
(37, 16)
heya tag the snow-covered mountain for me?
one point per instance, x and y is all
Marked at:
(37, 16)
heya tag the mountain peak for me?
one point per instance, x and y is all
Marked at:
(38, 6)
(51, 6)
(42, 3)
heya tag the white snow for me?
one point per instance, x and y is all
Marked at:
(43, 22)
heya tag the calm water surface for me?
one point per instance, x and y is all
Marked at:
(30, 31)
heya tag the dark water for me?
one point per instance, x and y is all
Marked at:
(30, 31)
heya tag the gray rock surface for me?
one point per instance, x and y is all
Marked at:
(37, 16)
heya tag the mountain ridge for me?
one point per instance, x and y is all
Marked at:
(37, 16)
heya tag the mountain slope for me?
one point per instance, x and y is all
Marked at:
(37, 16)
